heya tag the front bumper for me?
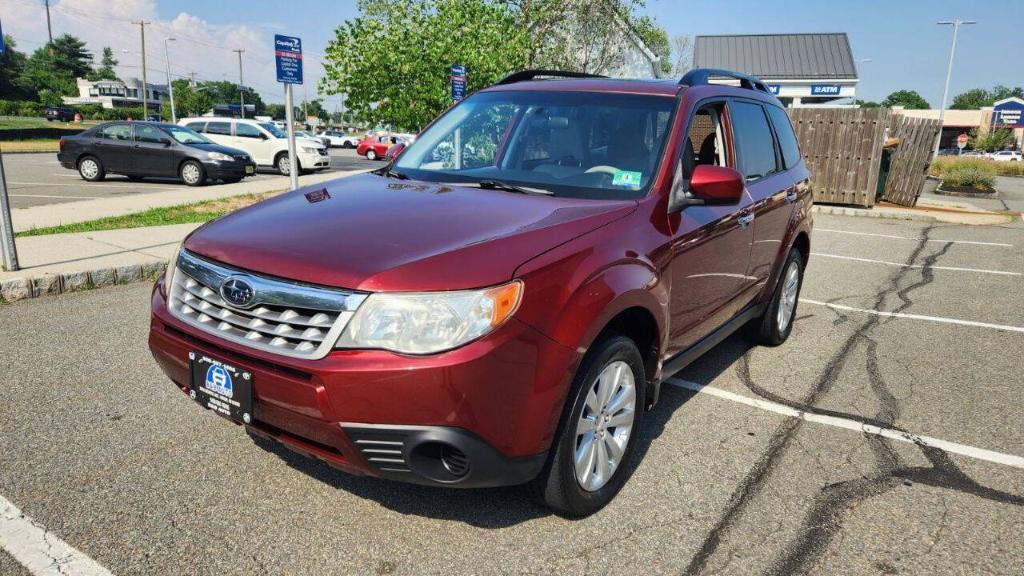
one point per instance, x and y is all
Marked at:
(312, 161)
(482, 415)
(228, 170)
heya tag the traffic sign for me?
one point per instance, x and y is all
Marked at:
(961, 140)
(288, 59)
(458, 76)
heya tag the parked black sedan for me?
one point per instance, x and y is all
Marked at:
(141, 149)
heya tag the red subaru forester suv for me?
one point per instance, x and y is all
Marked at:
(500, 304)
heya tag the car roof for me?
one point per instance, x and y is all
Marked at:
(654, 87)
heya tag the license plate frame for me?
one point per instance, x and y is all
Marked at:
(221, 387)
(250, 169)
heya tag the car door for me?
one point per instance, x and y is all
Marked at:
(710, 243)
(771, 186)
(252, 140)
(114, 146)
(220, 132)
(152, 152)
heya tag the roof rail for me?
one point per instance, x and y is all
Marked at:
(524, 75)
(701, 76)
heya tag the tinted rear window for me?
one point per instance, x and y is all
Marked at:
(754, 141)
(787, 139)
(222, 128)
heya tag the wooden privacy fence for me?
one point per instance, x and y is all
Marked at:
(908, 166)
(843, 149)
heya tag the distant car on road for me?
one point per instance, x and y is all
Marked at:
(376, 147)
(60, 113)
(264, 141)
(1006, 156)
(337, 138)
(141, 149)
(304, 134)
(974, 153)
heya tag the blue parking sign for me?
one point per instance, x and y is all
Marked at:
(288, 59)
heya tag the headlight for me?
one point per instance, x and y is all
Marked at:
(172, 267)
(309, 150)
(219, 157)
(427, 323)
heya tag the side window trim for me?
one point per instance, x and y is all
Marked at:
(724, 124)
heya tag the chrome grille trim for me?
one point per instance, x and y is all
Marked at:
(286, 318)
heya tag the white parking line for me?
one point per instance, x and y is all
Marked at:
(65, 197)
(938, 319)
(38, 549)
(901, 265)
(854, 425)
(913, 239)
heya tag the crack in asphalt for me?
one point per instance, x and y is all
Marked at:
(823, 520)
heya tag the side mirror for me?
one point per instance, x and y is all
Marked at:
(709, 184)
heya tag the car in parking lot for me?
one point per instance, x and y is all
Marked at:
(60, 113)
(304, 134)
(501, 303)
(152, 149)
(264, 141)
(1005, 156)
(375, 147)
(337, 138)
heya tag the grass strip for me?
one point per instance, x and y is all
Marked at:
(195, 213)
(14, 146)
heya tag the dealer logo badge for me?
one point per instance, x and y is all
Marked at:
(219, 380)
(236, 291)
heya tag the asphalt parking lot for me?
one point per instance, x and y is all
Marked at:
(885, 437)
(38, 179)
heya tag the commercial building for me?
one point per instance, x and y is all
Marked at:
(125, 93)
(801, 69)
(1008, 113)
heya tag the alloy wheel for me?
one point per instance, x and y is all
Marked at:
(604, 426)
(190, 173)
(89, 168)
(787, 296)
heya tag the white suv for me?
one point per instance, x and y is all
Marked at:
(265, 142)
(339, 138)
(1005, 156)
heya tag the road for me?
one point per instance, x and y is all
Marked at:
(756, 461)
(38, 179)
(1009, 197)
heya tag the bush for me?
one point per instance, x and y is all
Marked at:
(120, 114)
(90, 111)
(943, 164)
(9, 107)
(977, 177)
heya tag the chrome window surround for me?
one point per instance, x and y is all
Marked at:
(189, 303)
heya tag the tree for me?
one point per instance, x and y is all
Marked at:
(275, 111)
(406, 82)
(682, 54)
(105, 71)
(316, 108)
(909, 99)
(12, 66)
(869, 104)
(656, 40)
(52, 69)
(979, 97)
(990, 140)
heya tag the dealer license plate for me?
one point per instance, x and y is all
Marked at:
(221, 387)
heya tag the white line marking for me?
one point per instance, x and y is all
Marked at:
(38, 549)
(939, 319)
(848, 424)
(917, 239)
(62, 197)
(901, 265)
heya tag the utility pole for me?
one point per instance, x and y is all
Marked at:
(192, 80)
(956, 24)
(145, 85)
(241, 85)
(305, 99)
(49, 29)
(170, 87)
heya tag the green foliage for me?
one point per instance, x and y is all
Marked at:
(275, 111)
(55, 66)
(12, 66)
(869, 104)
(909, 99)
(316, 108)
(656, 39)
(21, 108)
(401, 78)
(105, 71)
(980, 98)
(945, 164)
(979, 177)
(990, 140)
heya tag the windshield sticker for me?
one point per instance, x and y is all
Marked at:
(627, 178)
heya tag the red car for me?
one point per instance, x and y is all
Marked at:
(500, 304)
(376, 147)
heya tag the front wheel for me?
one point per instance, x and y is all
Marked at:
(604, 413)
(284, 166)
(774, 327)
(191, 173)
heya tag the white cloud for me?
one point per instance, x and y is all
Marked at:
(200, 46)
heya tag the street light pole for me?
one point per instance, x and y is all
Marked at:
(170, 87)
(241, 84)
(956, 24)
(861, 61)
(145, 86)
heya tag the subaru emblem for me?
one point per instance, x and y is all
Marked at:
(237, 291)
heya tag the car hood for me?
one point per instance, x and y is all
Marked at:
(310, 142)
(219, 148)
(373, 233)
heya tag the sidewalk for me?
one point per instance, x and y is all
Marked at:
(84, 210)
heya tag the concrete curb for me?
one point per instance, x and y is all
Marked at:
(48, 284)
(866, 213)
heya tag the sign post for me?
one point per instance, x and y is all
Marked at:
(961, 142)
(288, 62)
(7, 247)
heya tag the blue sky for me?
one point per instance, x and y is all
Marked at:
(907, 48)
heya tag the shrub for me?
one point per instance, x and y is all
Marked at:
(977, 177)
(9, 107)
(943, 164)
(90, 111)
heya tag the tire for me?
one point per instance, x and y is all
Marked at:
(284, 166)
(775, 326)
(90, 169)
(371, 154)
(192, 173)
(559, 485)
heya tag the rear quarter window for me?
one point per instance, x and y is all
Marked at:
(787, 139)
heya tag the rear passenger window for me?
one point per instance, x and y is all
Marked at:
(787, 139)
(199, 127)
(221, 128)
(754, 143)
(117, 132)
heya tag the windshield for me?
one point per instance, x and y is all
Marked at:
(186, 135)
(583, 145)
(274, 130)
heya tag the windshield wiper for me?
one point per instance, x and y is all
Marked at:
(498, 185)
(387, 172)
